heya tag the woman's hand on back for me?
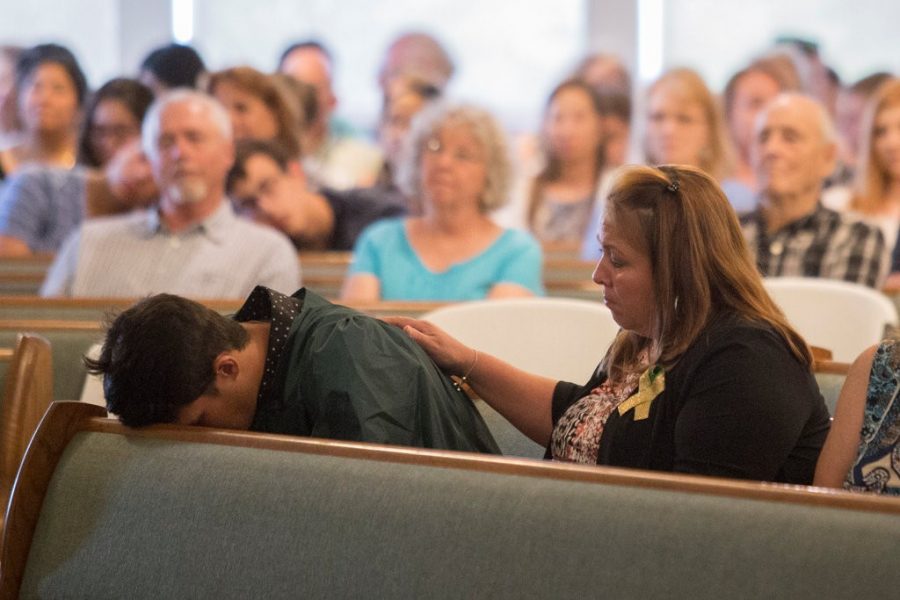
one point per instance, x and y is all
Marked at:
(450, 354)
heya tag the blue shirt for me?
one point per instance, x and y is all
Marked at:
(41, 206)
(383, 250)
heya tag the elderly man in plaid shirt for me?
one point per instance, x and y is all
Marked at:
(791, 233)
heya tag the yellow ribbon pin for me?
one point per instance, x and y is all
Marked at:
(650, 385)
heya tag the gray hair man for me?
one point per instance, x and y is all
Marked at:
(191, 243)
(791, 233)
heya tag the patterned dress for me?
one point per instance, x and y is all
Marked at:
(877, 466)
(576, 437)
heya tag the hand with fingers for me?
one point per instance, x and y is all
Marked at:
(447, 352)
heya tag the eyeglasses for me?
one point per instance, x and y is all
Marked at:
(115, 132)
(462, 154)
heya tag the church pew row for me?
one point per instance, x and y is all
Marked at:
(103, 511)
(564, 274)
(26, 387)
(74, 325)
(323, 272)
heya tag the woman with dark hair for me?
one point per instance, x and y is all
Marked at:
(705, 376)
(172, 66)
(113, 118)
(51, 92)
(560, 199)
(557, 202)
(42, 204)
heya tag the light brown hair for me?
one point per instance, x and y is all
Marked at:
(272, 93)
(718, 158)
(872, 181)
(701, 266)
(786, 80)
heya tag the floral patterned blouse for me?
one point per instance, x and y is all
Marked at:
(877, 465)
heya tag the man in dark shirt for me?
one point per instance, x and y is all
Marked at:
(270, 187)
(295, 365)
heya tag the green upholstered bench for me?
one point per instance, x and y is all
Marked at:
(81, 309)
(69, 340)
(101, 511)
(831, 376)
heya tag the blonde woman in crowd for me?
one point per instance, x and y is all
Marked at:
(685, 125)
(455, 170)
(876, 190)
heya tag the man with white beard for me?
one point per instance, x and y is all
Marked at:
(191, 243)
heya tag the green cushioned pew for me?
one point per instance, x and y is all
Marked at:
(101, 511)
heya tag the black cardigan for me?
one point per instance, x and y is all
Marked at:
(736, 404)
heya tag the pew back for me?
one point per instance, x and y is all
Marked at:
(185, 512)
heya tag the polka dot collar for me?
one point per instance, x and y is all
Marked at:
(279, 311)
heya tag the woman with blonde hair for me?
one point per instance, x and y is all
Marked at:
(685, 124)
(706, 376)
(259, 106)
(876, 191)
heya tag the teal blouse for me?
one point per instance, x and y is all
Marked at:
(383, 250)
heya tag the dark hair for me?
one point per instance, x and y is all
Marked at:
(552, 168)
(133, 94)
(34, 57)
(305, 45)
(158, 357)
(809, 47)
(614, 104)
(175, 65)
(244, 149)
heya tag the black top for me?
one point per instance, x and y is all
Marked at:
(736, 404)
(356, 209)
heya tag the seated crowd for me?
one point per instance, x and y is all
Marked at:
(207, 184)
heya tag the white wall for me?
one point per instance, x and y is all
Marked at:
(87, 27)
(508, 54)
(717, 37)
